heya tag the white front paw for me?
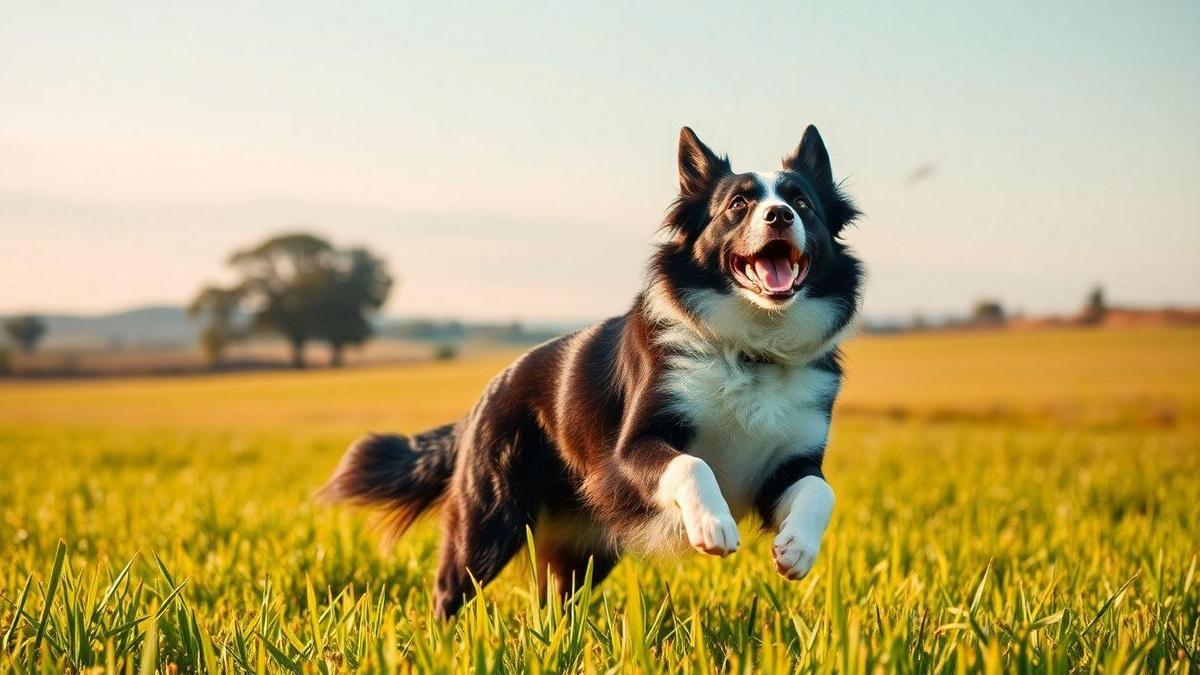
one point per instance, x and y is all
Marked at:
(804, 510)
(795, 553)
(711, 533)
(689, 484)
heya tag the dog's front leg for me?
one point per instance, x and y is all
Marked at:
(803, 514)
(799, 503)
(688, 484)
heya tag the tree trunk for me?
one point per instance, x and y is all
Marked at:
(297, 353)
(335, 355)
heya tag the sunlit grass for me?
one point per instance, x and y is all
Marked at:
(972, 531)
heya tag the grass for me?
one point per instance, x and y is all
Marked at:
(1006, 502)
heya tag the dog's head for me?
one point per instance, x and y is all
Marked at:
(769, 241)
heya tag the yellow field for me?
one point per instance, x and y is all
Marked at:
(1016, 501)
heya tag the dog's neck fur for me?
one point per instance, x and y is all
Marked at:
(709, 322)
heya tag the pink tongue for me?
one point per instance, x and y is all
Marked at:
(775, 273)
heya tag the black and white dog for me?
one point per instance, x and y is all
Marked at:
(708, 400)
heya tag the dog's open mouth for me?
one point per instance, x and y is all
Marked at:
(776, 271)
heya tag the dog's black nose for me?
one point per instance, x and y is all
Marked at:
(778, 215)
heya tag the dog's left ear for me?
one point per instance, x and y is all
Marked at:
(811, 158)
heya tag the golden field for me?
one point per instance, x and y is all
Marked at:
(1006, 502)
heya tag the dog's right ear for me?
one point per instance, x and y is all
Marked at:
(699, 167)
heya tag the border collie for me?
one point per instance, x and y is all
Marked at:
(709, 400)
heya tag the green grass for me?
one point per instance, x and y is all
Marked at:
(167, 524)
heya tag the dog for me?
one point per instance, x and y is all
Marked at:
(709, 400)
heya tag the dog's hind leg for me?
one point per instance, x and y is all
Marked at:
(479, 538)
(568, 565)
(491, 501)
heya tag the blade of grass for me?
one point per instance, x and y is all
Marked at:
(20, 610)
(60, 556)
(1109, 603)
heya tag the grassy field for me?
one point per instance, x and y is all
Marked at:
(1006, 502)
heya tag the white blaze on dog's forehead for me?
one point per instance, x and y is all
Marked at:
(768, 181)
(770, 198)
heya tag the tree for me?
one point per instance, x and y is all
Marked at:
(1095, 306)
(221, 306)
(988, 313)
(300, 286)
(282, 279)
(26, 331)
(356, 287)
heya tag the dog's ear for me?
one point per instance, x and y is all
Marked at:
(699, 167)
(811, 158)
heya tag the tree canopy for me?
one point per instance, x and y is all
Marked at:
(221, 306)
(356, 286)
(26, 331)
(303, 288)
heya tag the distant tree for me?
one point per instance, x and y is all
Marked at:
(26, 331)
(282, 279)
(356, 286)
(300, 286)
(1094, 306)
(987, 313)
(220, 306)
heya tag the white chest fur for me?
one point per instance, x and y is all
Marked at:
(749, 417)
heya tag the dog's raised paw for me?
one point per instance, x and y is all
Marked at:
(707, 532)
(795, 554)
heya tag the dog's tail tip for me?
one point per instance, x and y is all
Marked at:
(401, 476)
(356, 480)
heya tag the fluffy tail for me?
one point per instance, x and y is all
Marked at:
(403, 476)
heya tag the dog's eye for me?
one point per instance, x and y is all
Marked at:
(737, 203)
(800, 202)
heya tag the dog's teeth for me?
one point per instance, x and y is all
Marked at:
(795, 270)
(750, 273)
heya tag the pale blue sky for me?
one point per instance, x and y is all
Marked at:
(516, 163)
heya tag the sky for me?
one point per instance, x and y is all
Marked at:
(515, 163)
